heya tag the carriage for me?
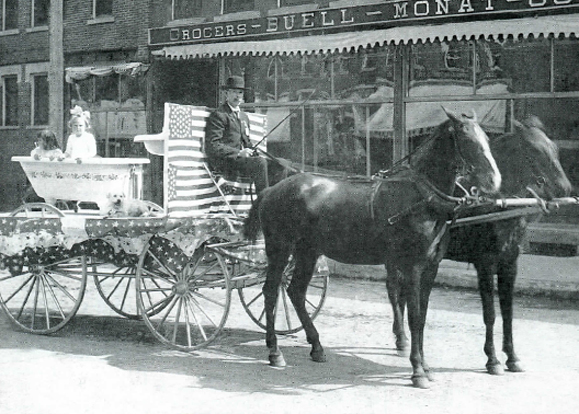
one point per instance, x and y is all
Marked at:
(175, 268)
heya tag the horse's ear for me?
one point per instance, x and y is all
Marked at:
(517, 124)
(473, 116)
(451, 114)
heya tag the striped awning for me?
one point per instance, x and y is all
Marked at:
(343, 42)
(74, 74)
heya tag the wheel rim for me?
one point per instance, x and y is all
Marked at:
(286, 319)
(42, 210)
(45, 297)
(183, 308)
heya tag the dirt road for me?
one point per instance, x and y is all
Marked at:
(105, 364)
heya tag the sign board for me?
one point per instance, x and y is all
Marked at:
(365, 17)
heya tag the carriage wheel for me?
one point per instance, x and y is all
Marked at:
(185, 306)
(44, 298)
(286, 319)
(43, 210)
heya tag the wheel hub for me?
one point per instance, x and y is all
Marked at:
(181, 288)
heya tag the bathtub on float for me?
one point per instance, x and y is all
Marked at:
(89, 181)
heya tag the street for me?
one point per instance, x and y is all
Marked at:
(101, 363)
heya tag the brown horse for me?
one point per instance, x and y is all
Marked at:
(399, 220)
(527, 159)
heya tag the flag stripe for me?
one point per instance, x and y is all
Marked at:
(189, 189)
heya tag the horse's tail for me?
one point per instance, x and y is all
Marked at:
(252, 224)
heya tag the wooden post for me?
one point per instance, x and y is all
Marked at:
(56, 71)
(401, 63)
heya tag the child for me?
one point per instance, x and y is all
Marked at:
(80, 144)
(46, 146)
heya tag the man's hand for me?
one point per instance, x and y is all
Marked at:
(245, 153)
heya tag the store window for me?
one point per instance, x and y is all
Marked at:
(102, 8)
(566, 56)
(233, 6)
(9, 100)
(9, 14)
(40, 12)
(185, 9)
(329, 113)
(116, 103)
(40, 100)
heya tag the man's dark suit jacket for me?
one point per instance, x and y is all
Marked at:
(225, 134)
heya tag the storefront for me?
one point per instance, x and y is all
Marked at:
(376, 74)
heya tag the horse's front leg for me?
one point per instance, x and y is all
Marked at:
(415, 322)
(305, 264)
(398, 303)
(270, 294)
(426, 284)
(486, 291)
(507, 274)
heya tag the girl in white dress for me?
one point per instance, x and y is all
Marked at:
(80, 144)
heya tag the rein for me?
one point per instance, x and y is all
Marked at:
(418, 178)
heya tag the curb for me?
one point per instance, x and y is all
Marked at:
(463, 276)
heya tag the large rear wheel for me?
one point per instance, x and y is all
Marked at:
(286, 319)
(183, 301)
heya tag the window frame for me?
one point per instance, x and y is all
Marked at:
(33, 14)
(225, 4)
(3, 27)
(33, 97)
(173, 10)
(3, 78)
(101, 16)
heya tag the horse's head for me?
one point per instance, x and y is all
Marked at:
(529, 159)
(472, 149)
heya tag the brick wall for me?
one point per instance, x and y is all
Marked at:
(128, 30)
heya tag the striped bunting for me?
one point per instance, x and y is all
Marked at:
(190, 189)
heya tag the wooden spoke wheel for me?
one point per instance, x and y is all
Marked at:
(43, 298)
(42, 210)
(184, 303)
(286, 319)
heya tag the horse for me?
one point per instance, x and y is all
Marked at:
(529, 162)
(399, 220)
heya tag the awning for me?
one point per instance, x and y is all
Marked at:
(341, 42)
(80, 73)
(421, 117)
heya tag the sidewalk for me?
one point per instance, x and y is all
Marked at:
(556, 277)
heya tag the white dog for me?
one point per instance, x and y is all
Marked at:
(119, 206)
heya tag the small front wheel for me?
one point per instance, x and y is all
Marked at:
(43, 298)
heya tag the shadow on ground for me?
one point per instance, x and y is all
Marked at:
(236, 362)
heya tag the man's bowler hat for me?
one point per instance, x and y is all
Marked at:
(234, 82)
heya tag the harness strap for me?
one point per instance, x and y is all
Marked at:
(437, 239)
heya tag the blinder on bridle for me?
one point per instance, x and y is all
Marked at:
(463, 169)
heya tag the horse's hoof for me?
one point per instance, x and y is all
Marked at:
(429, 376)
(420, 382)
(495, 369)
(515, 367)
(318, 356)
(277, 361)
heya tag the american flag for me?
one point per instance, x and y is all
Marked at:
(190, 189)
